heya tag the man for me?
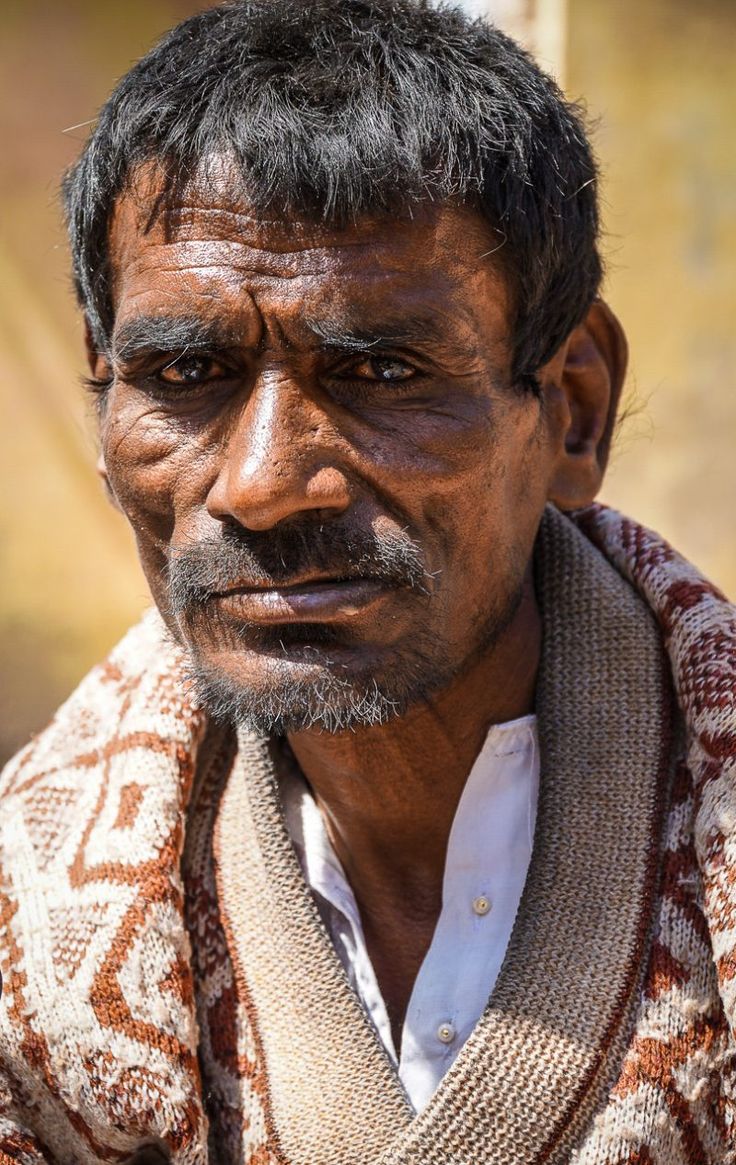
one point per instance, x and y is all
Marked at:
(404, 832)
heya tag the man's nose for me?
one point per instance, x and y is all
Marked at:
(281, 458)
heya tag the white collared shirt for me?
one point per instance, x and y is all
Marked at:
(488, 856)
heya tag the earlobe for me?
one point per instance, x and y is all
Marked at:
(587, 376)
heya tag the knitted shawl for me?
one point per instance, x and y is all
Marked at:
(170, 992)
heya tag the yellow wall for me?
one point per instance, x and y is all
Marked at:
(69, 582)
(656, 72)
(658, 78)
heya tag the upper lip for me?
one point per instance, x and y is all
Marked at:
(301, 583)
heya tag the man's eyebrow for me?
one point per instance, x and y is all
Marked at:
(144, 334)
(407, 331)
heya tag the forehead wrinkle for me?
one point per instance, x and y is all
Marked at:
(383, 293)
(285, 230)
(279, 254)
(205, 258)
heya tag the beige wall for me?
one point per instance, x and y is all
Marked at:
(657, 75)
(69, 582)
(658, 78)
(541, 25)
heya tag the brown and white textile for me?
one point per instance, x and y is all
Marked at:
(168, 983)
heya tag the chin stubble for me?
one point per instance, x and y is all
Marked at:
(306, 684)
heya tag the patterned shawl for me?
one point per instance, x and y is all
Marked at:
(125, 972)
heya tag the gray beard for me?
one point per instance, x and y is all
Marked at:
(320, 693)
(307, 679)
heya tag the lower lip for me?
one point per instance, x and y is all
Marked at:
(321, 602)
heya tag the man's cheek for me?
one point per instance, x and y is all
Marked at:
(434, 443)
(154, 470)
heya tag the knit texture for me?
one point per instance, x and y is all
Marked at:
(168, 982)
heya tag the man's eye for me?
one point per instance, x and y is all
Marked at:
(382, 368)
(190, 371)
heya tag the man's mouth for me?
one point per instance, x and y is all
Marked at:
(308, 600)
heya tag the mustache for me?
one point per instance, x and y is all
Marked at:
(200, 570)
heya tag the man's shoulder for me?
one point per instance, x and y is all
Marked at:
(666, 580)
(697, 625)
(77, 725)
(129, 708)
(91, 830)
(696, 620)
(694, 624)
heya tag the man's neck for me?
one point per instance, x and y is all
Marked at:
(389, 795)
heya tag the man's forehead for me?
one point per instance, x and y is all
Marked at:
(215, 211)
(210, 254)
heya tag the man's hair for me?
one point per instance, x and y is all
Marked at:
(332, 109)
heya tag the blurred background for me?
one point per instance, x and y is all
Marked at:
(657, 79)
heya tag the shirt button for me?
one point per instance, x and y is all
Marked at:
(446, 1033)
(481, 904)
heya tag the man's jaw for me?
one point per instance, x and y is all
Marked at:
(314, 625)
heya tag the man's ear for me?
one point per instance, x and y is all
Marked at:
(99, 367)
(585, 378)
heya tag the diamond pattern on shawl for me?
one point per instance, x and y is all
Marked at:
(106, 848)
(120, 1069)
(129, 805)
(50, 821)
(98, 1094)
(149, 972)
(72, 934)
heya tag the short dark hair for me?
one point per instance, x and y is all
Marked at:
(336, 108)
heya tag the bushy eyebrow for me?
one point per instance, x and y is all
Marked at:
(407, 331)
(145, 334)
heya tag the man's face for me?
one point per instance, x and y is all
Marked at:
(334, 488)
